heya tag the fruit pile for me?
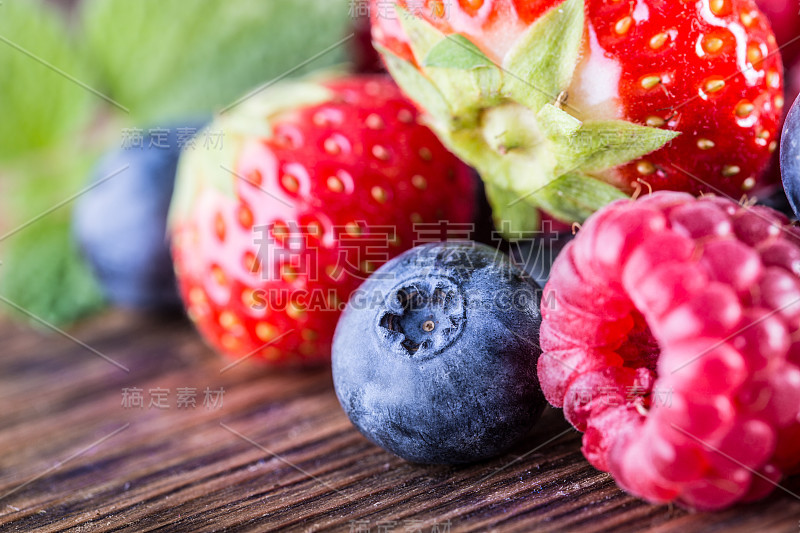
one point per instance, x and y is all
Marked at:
(668, 327)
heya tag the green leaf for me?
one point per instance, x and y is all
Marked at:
(39, 104)
(467, 92)
(418, 87)
(601, 145)
(168, 59)
(513, 217)
(555, 122)
(542, 62)
(466, 78)
(43, 272)
(42, 269)
(457, 52)
(574, 197)
(455, 68)
(422, 36)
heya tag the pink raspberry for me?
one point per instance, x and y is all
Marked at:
(669, 333)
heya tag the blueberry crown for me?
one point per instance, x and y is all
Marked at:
(422, 316)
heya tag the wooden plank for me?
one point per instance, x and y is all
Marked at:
(278, 454)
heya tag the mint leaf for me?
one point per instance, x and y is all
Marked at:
(39, 106)
(168, 59)
(44, 273)
(542, 62)
(42, 270)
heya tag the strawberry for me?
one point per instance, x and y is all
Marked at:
(565, 106)
(318, 184)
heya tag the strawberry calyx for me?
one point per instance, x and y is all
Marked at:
(511, 119)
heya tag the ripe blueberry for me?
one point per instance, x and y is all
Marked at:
(435, 356)
(790, 157)
(121, 222)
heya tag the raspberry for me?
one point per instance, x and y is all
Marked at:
(669, 341)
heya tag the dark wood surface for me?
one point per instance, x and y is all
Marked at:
(278, 454)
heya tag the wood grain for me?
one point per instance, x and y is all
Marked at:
(278, 455)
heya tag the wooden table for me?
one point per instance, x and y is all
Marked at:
(278, 453)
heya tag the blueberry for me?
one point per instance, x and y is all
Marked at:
(790, 157)
(120, 224)
(434, 357)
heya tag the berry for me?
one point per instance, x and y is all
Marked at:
(790, 157)
(669, 341)
(595, 99)
(120, 223)
(434, 358)
(319, 184)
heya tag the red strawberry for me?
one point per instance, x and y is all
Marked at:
(319, 184)
(552, 101)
